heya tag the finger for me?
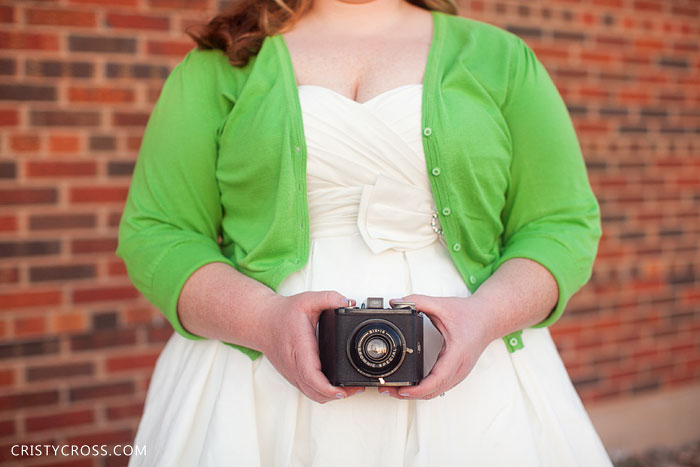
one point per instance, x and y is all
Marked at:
(309, 369)
(437, 380)
(316, 302)
(427, 304)
(449, 384)
(354, 390)
(391, 391)
(312, 392)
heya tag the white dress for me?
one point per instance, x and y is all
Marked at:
(370, 208)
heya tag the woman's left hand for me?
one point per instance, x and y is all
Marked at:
(462, 322)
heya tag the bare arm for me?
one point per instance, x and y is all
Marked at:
(519, 294)
(219, 302)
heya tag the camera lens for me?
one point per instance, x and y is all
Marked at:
(376, 348)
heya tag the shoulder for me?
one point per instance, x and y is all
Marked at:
(490, 54)
(467, 32)
(204, 65)
(199, 84)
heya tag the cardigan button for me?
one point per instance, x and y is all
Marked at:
(446, 211)
(472, 279)
(456, 247)
(436, 171)
(298, 149)
(427, 131)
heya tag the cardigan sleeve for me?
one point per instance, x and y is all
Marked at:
(551, 215)
(171, 221)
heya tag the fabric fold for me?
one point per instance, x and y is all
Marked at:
(395, 215)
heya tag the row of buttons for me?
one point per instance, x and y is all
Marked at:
(427, 131)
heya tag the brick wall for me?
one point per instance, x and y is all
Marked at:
(78, 79)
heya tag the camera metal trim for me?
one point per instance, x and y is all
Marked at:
(349, 348)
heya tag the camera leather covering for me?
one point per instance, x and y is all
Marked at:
(349, 337)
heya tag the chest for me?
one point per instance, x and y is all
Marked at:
(362, 68)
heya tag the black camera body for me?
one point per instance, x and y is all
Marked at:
(372, 345)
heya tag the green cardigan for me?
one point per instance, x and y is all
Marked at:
(224, 155)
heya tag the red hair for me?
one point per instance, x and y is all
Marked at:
(240, 29)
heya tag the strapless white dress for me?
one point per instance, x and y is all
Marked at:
(370, 208)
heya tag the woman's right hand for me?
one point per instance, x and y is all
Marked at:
(288, 340)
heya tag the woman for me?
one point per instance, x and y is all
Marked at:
(307, 154)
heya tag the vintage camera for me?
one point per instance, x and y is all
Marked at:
(372, 345)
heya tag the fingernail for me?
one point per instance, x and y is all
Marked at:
(384, 393)
(403, 394)
(340, 396)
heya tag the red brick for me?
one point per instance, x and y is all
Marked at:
(7, 428)
(69, 322)
(98, 391)
(59, 420)
(596, 57)
(179, 4)
(28, 399)
(60, 17)
(140, 315)
(119, 412)
(28, 326)
(7, 377)
(646, 5)
(61, 169)
(60, 221)
(9, 275)
(114, 218)
(28, 41)
(132, 362)
(64, 143)
(101, 95)
(139, 22)
(98, 194)
(640, 96)
(59, 371)
(608, 3)
(7, 14)
(27, 196)
(93, 245)
(25, 143)
(685, 11)
(133, 3)
(649, 44)
(102, 339)
(135, 119)
(29, 299)
(100, 294)
(171, 48)
(9, 117)
(116, 268)
(8, 223)
(134, 143)
(102, 437)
